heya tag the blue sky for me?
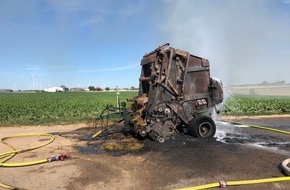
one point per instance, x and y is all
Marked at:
(79, 43)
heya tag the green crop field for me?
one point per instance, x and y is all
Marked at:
(256, 105)
(71, 107)
(63, 107)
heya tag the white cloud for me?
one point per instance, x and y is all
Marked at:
(126, 67)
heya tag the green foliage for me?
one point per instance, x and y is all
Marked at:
(256, 105)
(70, 107)
(44, 108)
(91, 88)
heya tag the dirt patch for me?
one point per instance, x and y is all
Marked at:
(181, 162)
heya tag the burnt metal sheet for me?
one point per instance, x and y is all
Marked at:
(170, 78)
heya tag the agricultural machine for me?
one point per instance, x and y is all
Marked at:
(176, 94)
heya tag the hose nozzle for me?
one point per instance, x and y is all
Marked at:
(55, 158)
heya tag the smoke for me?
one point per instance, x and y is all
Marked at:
(245, 41)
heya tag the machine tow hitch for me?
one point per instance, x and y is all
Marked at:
(110, 117)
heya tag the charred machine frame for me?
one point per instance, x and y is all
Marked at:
(176, 93)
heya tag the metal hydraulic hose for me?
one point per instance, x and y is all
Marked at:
(223, 184)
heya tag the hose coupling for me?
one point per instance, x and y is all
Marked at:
(223, 184)
(55, 158)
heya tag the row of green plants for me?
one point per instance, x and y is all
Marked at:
(61, 107)
(256, 105)
(71, 107)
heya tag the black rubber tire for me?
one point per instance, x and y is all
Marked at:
(202, 127)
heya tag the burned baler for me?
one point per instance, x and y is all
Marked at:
(176, 94)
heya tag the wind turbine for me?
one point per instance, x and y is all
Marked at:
(33, 82)
(15, 85)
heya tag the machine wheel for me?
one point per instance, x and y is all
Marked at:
(202, 127)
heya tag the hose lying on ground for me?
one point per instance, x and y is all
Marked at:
(264, 128)
(10, 154)
(223, 184)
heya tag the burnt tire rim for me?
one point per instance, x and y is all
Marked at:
(205, 129)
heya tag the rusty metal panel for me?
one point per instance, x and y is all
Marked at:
(177, 86)
(148, 59)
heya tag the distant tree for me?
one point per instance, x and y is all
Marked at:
(279, 82)
(99, 89)
(107, 88)
(91, 88)
(132, 88)
(64, 88)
